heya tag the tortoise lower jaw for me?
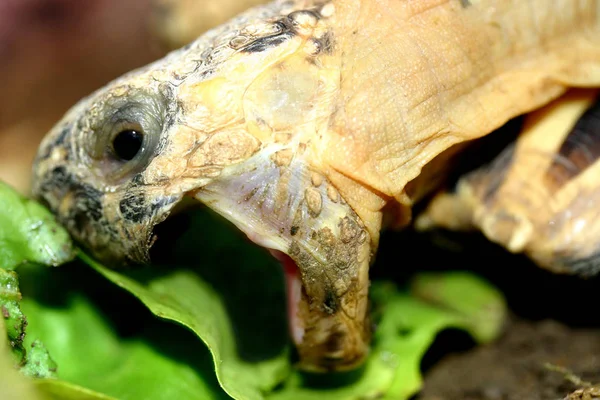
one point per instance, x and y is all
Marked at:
(327, 298)
(325, 337)
(332, 341)
(287, 208)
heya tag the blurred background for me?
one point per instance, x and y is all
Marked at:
(52, 53)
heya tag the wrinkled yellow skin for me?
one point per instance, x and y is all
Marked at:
(428, 74)
(306, 123)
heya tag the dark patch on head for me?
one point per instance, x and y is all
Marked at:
(294, 230)
(60, 183)
(80, 220)
(66, 129)
(90, 199)
(138, 179)
(465, 3)
(59, 141)
(579, 150)
(57, 178)
(172, 106)
(330, 303)
(326, 43)
(133, 207)
(267, 42)
(86, 206)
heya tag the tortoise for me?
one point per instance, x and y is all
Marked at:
(314, 124)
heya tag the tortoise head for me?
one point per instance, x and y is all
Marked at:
(236, 120)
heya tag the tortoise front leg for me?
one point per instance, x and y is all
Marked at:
(541, 196)
(179, 22)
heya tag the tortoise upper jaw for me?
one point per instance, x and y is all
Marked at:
(283, 205)
(117, 227)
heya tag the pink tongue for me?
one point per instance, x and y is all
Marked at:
(294, 293)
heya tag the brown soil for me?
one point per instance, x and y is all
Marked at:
(531, 361)
(53, 53)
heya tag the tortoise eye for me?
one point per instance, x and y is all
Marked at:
(123, 134)
(128, 143)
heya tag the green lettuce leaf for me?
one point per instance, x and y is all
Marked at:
(91, 357)
(230, 293)
(29, 233)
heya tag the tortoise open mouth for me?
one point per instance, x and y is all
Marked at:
(293, 286)
(171, 231)
(325, 263)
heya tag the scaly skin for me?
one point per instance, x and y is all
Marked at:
(301, 122)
